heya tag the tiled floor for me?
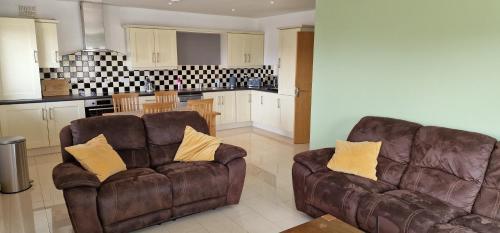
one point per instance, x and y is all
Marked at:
(266, 204)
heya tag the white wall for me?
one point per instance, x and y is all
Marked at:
(270, 26)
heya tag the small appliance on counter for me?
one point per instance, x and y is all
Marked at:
(55, 87)
(254, 82)
(232, 82)
(148, 87)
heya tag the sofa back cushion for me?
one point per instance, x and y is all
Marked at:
(125, 134)
(488, 201)
(397, 138)
(165, 132)
(448, 164)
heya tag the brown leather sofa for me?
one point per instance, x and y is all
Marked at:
(430, 179)
(153, 189)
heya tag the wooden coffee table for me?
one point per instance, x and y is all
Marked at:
(324, 224)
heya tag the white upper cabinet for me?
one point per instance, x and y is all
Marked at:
(245, 50)
(287, 61)
(19, 73)
(47, 42)
(151, 48)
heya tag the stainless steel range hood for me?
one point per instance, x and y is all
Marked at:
(93, 26)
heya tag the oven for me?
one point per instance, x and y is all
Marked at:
(97, 107)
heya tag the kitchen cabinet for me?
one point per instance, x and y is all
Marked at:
(40, 123)
(47, 42)
(243, 106)
(287, 113)
(225, 104)
(152, 48)
(245, 50)
(265, 111)
(19, 70)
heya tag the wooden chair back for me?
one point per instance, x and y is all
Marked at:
(205, 109)
(167, 97)
(158, 107)
(126, 102)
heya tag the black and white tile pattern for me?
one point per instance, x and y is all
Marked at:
(106, 72)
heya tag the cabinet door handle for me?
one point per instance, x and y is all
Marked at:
(249, 98)
(261, 100)
(44, 114)
(57, 56)
(222, 97)
(154, 56)
(249, 58)
(35, 55)
(51, 113)
(157, 57)
(279, 63)
(279, 103)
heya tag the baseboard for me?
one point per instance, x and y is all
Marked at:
(44, 151)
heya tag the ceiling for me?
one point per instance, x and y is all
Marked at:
(242, 8)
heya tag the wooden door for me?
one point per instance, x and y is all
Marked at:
(19, 73)
(48, 44)
(303, 82)
(60, 114)
(141, 48)
(166, 48)
(27, 120)
(243, 106)
(288, 61)
(237, 50)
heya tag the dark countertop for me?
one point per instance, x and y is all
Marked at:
(77, 97)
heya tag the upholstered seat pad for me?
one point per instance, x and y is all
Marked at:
(405, 210)
(450, 228)
(478, 223)
(338, 193)
(133, 193)
(196, 181)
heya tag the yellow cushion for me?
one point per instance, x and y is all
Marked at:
(98, 157)
(196, 146)
(357, 158)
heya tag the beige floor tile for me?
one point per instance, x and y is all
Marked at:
(266, 205)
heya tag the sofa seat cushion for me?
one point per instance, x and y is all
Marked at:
(338, 193)
(133, 193)
(196, 181)
(405, 211)
(450, 228)
(478, 223)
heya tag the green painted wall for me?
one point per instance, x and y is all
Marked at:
(436, 62)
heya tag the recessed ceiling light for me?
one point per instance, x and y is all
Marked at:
(233, 10)
(272, 2)
(170, 4)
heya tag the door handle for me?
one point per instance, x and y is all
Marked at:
(279, 103)
(157, 57)
(261, 100)
(57, 56)
(51, 113)
(154, 56)
(44, 114)
(279, 63)
(222, 97)
(35, 54)
(249, 58)
(297, 91)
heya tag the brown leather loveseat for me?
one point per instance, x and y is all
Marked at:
(153, 189)
(430, 179)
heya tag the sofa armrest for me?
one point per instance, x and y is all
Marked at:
(70, 175)
(315, 160)
(227, 153)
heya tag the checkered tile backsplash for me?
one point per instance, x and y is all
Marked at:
(106, 72)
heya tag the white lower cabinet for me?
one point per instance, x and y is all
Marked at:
(243, 106)
(273, 112)
(40, 123)
(225, 104)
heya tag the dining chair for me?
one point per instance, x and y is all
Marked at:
(167, 97)
(126, 102)
(205, 108)
(149, 108)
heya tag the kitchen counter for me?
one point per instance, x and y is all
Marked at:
(77, 97)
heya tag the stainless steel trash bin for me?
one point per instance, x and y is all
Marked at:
(14, 175)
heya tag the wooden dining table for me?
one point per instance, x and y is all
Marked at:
(141, 113)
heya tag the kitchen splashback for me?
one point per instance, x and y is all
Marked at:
(105, 72)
